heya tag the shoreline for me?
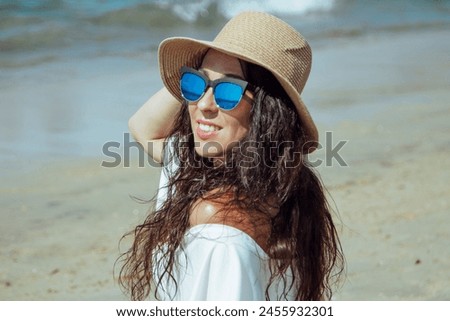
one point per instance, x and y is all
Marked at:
(63, 218)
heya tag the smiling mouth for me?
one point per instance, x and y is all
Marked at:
(208, 128)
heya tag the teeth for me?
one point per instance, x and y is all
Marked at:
(208, 128)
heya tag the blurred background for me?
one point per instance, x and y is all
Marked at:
(74, 44)
(73, 72)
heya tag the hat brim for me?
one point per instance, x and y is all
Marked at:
(173, 53)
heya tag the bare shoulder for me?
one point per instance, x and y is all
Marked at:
(206, 211)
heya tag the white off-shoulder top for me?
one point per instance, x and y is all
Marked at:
(219, 263)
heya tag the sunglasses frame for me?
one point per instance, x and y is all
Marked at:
(213, 83)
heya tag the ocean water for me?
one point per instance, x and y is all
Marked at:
(45, 30)
(62, 62)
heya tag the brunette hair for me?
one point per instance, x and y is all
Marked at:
(269, 165)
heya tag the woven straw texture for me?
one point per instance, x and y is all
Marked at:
(256, 37)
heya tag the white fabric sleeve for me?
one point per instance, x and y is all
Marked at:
(170, 165)
(219, 270)
(233, 275)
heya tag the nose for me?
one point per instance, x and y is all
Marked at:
(207, 102)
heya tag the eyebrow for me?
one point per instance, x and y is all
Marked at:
(225, 75)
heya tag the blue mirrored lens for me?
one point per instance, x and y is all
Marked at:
(192, 86)
(227, 95)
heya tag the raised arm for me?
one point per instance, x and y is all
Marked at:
(152, 123)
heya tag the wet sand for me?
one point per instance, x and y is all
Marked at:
(387, 96)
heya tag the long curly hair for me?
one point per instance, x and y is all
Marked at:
(269, 164)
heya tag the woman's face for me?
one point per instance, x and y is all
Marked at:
(216, 130)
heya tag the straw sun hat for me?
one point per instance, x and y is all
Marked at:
(256, 37)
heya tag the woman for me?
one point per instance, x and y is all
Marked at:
(240, 214)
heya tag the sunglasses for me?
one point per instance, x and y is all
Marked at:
(228, 91)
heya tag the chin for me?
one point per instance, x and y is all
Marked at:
(209, 150)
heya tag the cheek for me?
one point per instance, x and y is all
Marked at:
(241, 122)
(239, 129)
(191, 115)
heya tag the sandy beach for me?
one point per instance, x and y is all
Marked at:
(386, 96)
